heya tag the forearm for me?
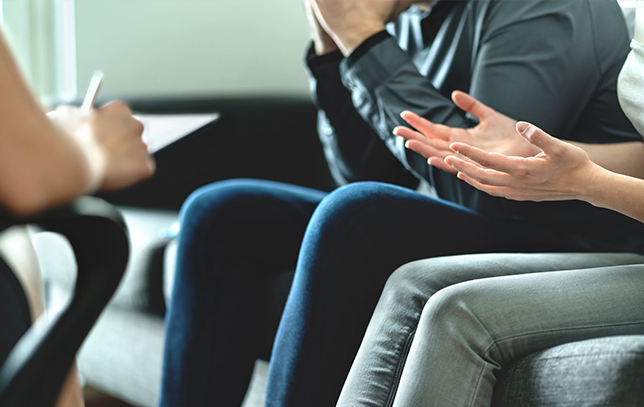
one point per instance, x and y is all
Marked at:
(384, 82)
(614, 191)
(40, 164)
(622, 158)
(43, 169)
(353, 149)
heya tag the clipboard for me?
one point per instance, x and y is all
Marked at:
(162, 131)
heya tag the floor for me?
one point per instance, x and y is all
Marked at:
(96, 398)
(254, 397)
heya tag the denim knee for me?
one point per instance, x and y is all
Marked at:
(346, 204)
(349, 198)
(206, 201)
(208, 218)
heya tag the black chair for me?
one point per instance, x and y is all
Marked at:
(37, 366)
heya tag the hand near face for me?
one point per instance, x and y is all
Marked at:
(559, 172)
(322, 41)
(350, 22)
(494, 133)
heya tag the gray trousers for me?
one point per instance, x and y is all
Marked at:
(444, 326)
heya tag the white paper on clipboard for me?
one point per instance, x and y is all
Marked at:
(161, 130)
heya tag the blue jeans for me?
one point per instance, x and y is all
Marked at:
(236, 233)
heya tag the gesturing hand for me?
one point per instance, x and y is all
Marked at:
(494, 133)
(559, 172)
(350, 22)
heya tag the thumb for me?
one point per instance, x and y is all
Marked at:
(537, 137)
(471, 105)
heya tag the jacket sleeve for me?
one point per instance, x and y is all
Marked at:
(353, 150)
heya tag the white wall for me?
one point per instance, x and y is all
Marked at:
(188, 47)
(168, 47)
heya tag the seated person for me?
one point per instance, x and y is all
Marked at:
(445, 326)
(236, 234)
(45, 162)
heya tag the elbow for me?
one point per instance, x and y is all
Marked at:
(27, 192)
(26, 196)
(24, 203)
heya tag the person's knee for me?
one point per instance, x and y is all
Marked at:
(207, 204)
(460, 309)
(348, 203)
(404, 280)
(402, 290)
(421, 278)
(358, 193)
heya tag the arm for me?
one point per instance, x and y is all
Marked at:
(47, 162)
(561, 171)
(353, 150)
(622, 158)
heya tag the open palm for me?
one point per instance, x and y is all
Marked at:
(559, 172)
(494, 133)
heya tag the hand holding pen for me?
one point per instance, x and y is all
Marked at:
(110, 138)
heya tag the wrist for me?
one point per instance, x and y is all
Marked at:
(348, 42)
(75, 125)
(324, 47)
(592, 187)
(94, 158)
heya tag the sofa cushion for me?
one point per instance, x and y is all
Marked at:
(598, 372)
(150, 233)
(141, 286)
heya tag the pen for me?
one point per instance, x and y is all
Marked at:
(92, 91)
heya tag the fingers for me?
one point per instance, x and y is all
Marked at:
(505, 192)
(482, 176)
(408, 134)
(426, 127)
(425, 146)
(549, 145)
(120, 137)
(492, 161)
(442, 165)
(119, 107)
(434, 156)
(471, 105)
(425, 149)
(432, 149)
